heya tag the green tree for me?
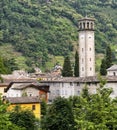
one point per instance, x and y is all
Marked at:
(59, 116)
(3, 69)
(103, 70)
(67, 69)
(5, 123)
(24, 118)
(97, 111)
(108, 57)
(76, 67)
(10, 65)
(43, 107)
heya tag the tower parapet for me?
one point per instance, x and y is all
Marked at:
(86, 24)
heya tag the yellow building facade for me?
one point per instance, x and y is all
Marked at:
(26, 103)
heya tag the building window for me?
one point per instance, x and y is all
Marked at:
(82, 49)
(82, 60)
(62, 92)
(89, 83)
(71, 84)
(65, 92)
(90, 68)
(82, 69)
(90, 49)
(29, 93)
(57, 92)
(78, 84)
(90, 59)
(33, 107)
(78, 92)
(114, 73)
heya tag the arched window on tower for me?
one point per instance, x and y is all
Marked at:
(83, 25)
(80, 26)
(87, 25)
(91, 25)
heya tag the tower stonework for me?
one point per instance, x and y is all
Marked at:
(86, 47)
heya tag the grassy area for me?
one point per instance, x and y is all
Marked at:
(21, 62)
(54, 60)
(7, 51)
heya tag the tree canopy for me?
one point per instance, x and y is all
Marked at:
(97, 111)
(106, 61)
(5, 123)
(39, 29)
(59, 116)
(24, 118)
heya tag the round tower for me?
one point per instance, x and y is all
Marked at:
(86, 47)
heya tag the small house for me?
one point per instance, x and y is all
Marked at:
(26, 103)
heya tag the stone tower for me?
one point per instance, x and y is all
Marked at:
(86, 47)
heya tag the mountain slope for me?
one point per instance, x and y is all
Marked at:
(39, 29)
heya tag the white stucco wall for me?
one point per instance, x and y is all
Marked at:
(30, 91)
(112, 73)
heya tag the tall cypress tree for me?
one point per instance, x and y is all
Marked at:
(108, 57)
(67, 69)
(76, 67)
(103, 70)
(106, 62)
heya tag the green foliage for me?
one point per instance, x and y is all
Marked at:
(96, 111)
(76, 67)
(2, 66)
(106, 62)
(36, 28)
(67, 69)
(5, 123)
(85, 112)
(43, 108)
(108, 57)
(23, 118)
(10, 65)
(59, 116)
(103, 70)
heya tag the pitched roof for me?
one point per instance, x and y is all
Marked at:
(39, 86)
(112, 68)
(11, 83)
(23, 85)
(22, 100)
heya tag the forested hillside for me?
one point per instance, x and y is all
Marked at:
(35, 30)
